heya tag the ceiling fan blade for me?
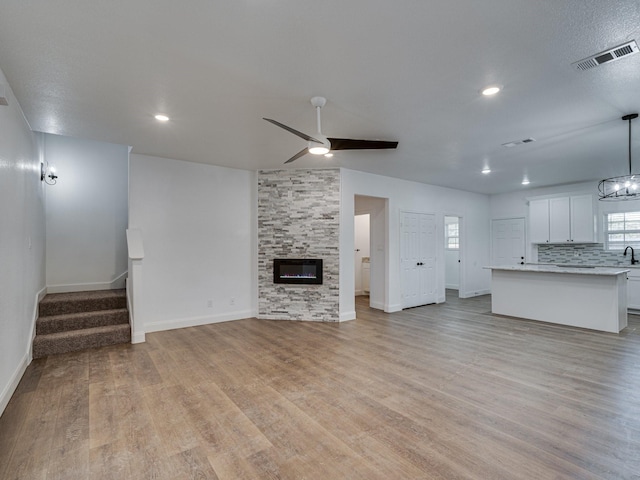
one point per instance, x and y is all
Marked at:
(302, 152)
(295, 132)
(351, 144)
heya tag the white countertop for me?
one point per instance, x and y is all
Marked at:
(562, 269)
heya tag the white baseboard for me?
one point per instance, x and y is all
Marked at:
(25, 361)
(116, 283)
(345, 316)
(8, 391)
(196, 321)
(376, 305)
(475, 293)
(452, 286)
(393, 308)
(138, 337)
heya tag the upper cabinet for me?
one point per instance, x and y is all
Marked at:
(539, 221)
(563, 219)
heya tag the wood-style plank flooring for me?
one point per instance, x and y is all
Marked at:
(437, 392)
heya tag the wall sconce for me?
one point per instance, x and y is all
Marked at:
(48, 174)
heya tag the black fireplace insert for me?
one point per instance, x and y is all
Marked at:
(297, 271)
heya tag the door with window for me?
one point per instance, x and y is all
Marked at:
(418, 258)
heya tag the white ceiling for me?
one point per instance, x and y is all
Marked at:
(409, 71)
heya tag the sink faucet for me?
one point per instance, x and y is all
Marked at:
(633, 258)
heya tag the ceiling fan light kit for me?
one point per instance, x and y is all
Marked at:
(321, 145)
(623, 187)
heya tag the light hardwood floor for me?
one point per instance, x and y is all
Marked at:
(438, 392)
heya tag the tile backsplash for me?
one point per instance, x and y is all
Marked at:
(588, 254)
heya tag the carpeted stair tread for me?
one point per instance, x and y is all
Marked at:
(76, 302)
(69, 322)
(76, 321)
(75, 340)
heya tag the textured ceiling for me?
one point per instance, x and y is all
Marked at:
(409, 71)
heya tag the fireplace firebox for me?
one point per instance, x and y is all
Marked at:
(297, 271)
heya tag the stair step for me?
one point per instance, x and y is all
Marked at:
(76, 340)
(76, 321)
(76, 302)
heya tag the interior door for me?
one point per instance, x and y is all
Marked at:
(418, 259)
(508, 242)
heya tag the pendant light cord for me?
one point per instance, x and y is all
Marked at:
(630, 146)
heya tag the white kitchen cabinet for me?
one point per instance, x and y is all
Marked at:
(583, 219)
(539, 221)
(563, 219)
(559, 220)
(633, 289)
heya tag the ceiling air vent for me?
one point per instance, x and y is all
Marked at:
(616, 53)
(518, 142)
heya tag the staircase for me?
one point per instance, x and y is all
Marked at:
(68, 322)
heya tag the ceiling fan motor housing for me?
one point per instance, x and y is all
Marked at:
(319, 148)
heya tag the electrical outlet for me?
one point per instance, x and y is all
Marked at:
(209, 303)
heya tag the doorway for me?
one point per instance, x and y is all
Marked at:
(452, 254)
(362, 264)
(372, 243)
(418, 258)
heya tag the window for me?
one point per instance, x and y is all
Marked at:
(452, 236)
(622, 230)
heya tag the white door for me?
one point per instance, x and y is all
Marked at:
(508, 242)
(418, 259)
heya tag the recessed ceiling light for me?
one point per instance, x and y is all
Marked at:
(491, 90)
(525, 181)
(486, 170)
(161, 117)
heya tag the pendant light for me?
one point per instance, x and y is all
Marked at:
(625, 187)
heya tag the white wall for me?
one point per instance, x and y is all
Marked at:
(86, 213)
(22, 237)
(415, 197)
(198, 224)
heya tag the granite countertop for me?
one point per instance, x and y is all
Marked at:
(551, 268)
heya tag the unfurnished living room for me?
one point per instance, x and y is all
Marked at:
(320, 240)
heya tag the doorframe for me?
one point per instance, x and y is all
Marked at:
(379, 270)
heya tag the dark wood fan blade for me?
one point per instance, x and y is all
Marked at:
(297, 155)
(351, 144)
(292, 130)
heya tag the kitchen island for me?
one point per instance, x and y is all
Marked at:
(587, 297)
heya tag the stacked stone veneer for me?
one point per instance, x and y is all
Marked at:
(298, 217)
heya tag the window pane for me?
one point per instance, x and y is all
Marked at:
(623, 229)
(616, 226)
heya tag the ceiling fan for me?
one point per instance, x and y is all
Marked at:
(318, 144)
